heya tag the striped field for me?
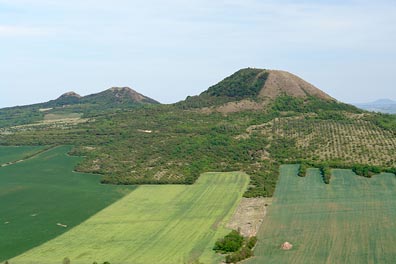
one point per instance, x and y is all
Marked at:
(41, 197)
(351, 220)
(153, 224)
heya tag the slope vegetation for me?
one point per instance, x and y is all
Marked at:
(153, 224)
(347, 141)
(258, 86)
(277, 119)
(70, 103)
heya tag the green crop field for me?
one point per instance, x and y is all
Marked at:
(153, 224)
(39, 193)
(350, 220)
(9, 154)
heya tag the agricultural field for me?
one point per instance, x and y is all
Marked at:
(350, 220)
(41, 197)
(153, 224)
(13, 153)
(351, 140)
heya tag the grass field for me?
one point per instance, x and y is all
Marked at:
(351, 220)
(59, 116)
(39, 193)
(153, 224)
(9, 154)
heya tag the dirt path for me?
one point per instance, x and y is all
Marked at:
(28, 157)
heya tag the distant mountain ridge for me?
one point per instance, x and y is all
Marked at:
(114, 95)
(72, 104)
(380, 105)
(246, 89)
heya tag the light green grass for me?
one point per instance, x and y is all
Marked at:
(351, 220)
(59, 116)
(154, 224)
(40, 192)
(11, 153)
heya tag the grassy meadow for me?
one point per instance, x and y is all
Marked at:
(350, 220)
(41, 197)
(153, 224)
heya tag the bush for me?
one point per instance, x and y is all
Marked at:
(366, 170)
(241, 254)
(251, 242)
(326, 173)
(302, 171)
(230, 243)
(237, 247)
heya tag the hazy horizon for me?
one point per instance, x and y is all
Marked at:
(169, 50)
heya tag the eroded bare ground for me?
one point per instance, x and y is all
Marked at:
(249, 215)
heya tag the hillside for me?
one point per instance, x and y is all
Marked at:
(254, 89)
(118, 95)
(71, 104)
(253, 121)
(68, 98)
(284, 83)
(175, 143)
(110, 97)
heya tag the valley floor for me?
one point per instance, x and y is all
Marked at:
(153, 224)
(41, 197)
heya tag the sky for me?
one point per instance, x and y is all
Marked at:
(168, 50)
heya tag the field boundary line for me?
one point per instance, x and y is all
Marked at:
(31, 156)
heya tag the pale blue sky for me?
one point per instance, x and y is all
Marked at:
(170, 49)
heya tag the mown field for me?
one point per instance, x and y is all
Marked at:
(39, 193)
(350, 220)
(153, 224)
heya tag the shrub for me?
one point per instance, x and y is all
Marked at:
(366, 170)
(241, 254)
(326, 173)
(237, 247)
(302, 171)
(251, 242)
(230, 243)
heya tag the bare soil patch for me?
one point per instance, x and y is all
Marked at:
(280, 82)
(249, 215)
